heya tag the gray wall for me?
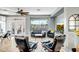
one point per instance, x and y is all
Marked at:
(51, 24)
(71, 39)
(59, 20)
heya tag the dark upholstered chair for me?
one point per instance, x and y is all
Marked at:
(50, 46)
(24, 45)
(33, 45)
(50, 34)
(7, 34)
(73, 49)
(45, 42)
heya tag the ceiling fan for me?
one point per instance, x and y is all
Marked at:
(21, 11)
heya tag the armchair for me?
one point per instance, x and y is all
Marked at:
(24, 45)
(32, 45)
(50, 46)
(50, 34)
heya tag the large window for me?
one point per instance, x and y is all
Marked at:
(2, 24)
(39, 24)
(74, 22)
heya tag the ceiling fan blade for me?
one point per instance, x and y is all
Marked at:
(24, 13)
(6, 9)
(20, 11)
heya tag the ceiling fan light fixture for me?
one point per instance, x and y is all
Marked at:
(21, 12)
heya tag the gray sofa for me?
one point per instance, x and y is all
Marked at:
(38, 34)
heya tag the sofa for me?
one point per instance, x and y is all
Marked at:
(38, 34)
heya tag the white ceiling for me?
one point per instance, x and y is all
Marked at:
(31, 10)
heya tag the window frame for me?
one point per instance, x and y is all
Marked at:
(75, 19)
(41, 25)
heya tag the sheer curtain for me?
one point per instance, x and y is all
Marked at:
(2, 24)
